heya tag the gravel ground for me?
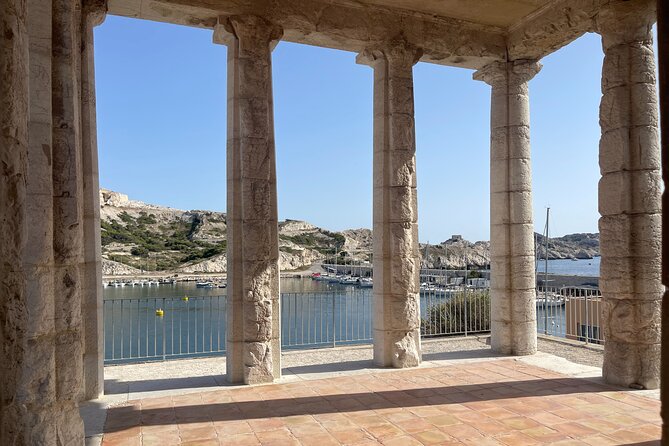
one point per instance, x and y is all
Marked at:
(441, 348)
(578, 353)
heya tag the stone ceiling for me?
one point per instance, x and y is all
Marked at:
(501, 13)
(463, 33)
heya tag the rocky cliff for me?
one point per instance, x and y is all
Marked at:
(138, 237)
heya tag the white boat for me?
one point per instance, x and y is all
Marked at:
(202, 284)
(349, 280)
(551, 300)
(365, 282)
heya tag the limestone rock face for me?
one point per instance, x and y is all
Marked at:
(358, 241)
(295, 227)
(111, 198)
(111, 268)
(216, 264)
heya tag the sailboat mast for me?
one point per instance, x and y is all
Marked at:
(548, 211)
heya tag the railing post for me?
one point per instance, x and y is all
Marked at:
(546, 303)
(162, 321)
(466, 305)
(587, 320)
(334, 332)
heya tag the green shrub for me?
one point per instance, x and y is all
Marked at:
(458, 314)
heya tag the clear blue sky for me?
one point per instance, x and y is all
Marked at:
(161, 92)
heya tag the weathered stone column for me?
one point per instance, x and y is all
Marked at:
(13, 159)
(253, 328)
(94, 12)
(37, 389)
(663, 56)
(512, 284)
(396, 322)
(663, 70)
(67, 216)
(629, 196)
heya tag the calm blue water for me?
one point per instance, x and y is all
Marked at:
(313, 314)
(568, 267)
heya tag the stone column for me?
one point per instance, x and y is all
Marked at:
(38, 392)
(13, 203)
(94, 12)
(253, 325)
(512, 281)
(396, 321)
(663, 56)
(629, 197)
(67, 216)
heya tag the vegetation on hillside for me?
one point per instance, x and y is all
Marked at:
(322, 241)
(153, 246)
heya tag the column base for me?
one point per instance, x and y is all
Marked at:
(398, 349)
(254, 363)
(632, 365)
(513, 338)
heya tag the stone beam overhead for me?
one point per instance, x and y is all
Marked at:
(557, 24)
(552, 27)
(450, 33)
(348, 26)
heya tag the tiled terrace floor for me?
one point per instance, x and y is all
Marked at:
(505, 401)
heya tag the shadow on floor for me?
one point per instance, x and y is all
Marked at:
(121, 418)
(115, 387)
(334, 367)
(483, 353)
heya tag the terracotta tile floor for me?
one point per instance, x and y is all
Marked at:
(502, 402)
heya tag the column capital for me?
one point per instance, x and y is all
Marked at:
(249, 28)
(514, 72)
(94, 11)
(398, 52)
(622, 22)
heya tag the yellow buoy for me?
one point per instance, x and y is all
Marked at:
(160, 312)
(185, 298)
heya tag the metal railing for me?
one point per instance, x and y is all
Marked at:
(459, 310)
(322, 319)
(162, 328)
(570, 312)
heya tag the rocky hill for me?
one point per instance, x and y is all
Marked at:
(138, 237)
